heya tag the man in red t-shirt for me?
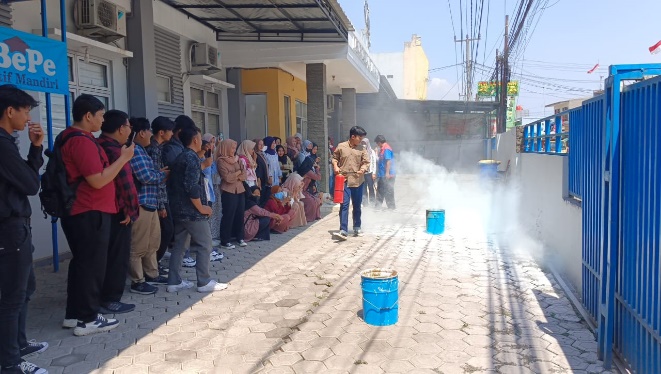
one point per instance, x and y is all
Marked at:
(87, 228)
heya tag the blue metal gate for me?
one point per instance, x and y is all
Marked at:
(615, 170)
(637, 319)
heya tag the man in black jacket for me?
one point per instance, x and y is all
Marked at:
(18, 180)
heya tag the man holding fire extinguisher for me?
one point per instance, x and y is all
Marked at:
(350, 163)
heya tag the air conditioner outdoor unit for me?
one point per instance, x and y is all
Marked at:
(330, 103)
(205, 57)
(100, 19)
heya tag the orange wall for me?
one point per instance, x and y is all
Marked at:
(275, 83)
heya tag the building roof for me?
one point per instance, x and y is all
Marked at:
(270, 20)
(568, 101)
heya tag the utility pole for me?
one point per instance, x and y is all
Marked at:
(504, 80)
(469, 66)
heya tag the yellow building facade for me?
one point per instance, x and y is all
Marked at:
(278, 97)
(416, 70)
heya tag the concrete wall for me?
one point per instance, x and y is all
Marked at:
(544, 211)
(392, 64)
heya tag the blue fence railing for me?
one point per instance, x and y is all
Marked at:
(548, 135)
(638, 282)
(585, 180)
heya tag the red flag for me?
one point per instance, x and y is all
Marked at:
(593, 69)
(656, 48)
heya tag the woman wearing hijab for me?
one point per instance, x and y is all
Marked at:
(286, 166)
(257, 220)
(246, 153)
(264, 180)
(232, 175)
(279, 203)
(293, 151)
(272, 160)
(369, 192)
(312, 201)
(293, 185)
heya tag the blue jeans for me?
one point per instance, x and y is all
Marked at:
(356, 196)
(17, 284)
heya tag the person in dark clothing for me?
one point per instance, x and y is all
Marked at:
(87, 227)
(162, 128)
(173, 148)
(18, 180)
(191, 213)
(263, 180)
(115, 132)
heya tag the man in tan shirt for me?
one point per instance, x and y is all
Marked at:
(351, 160)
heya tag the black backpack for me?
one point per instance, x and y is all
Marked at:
(56, 195)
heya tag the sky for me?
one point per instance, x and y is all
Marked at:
(570, 37)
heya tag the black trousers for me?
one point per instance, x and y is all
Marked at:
(17, 284)
(119, 251)
(386, 190)
(167, 233)
(88, 235)
(231, 224)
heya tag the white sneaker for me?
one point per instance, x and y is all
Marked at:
(69, 323)
(242, 243)
(216, 256)
(358, 232)
(101, 324)
(341, 235)
(188, 262)
(227, 246)
(181, 286)
(213, 286)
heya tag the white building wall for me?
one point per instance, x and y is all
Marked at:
(392, 64)
(191, 32)
(544, 211)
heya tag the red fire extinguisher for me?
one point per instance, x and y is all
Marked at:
(338, 193)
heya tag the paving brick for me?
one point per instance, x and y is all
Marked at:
(486, 306)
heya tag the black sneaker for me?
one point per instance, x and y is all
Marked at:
(143, 288)
(163, 271)
(116, 308)
(158, 280)
(101, 324)
(24, 368)
(33, 348)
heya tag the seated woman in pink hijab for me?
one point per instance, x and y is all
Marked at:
(294, 187)
(312, 200)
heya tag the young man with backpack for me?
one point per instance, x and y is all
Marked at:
(88, 222)
(18, 180)
(143, 269)
(115, 132)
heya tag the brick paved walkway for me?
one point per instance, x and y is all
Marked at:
(294, 305)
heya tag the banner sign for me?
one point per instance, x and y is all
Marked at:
(33, 63)
(490, 89)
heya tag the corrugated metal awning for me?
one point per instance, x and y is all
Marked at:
(269, 20)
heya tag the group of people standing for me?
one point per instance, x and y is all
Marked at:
(362, 166)
(144, 190)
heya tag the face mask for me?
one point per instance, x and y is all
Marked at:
(279, 195)
(264, 149)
